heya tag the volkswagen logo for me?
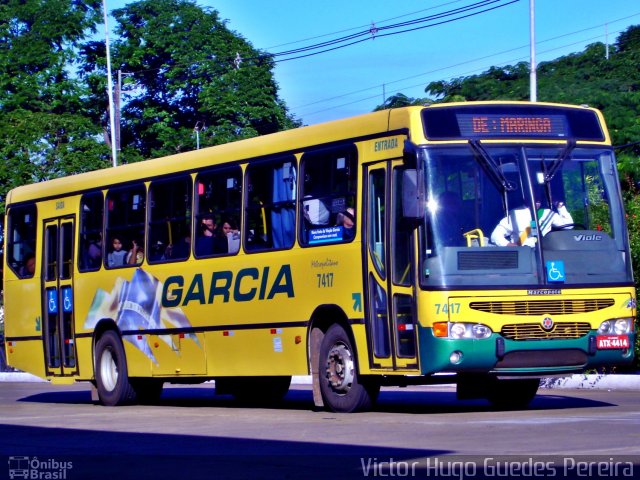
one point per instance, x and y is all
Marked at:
(547, 323)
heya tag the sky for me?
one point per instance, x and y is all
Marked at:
(354, 80)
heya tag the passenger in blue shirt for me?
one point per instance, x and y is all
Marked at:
(211, 241)
(116, 258)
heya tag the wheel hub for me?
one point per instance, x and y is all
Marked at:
(340, 368)
(108, 370)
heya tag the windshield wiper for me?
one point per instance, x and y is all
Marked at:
(557, 163)
(491, 166)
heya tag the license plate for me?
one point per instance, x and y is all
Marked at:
(608, 342)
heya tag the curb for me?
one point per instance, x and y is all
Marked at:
(594, 382)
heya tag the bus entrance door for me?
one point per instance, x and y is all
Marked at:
(391, 299)
(58, 313)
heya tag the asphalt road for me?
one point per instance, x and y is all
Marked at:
(419, 432)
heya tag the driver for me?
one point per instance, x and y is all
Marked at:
(515, 228)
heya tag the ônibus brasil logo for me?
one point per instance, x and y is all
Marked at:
(35, 468)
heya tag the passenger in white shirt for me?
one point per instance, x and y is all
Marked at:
(505, 235)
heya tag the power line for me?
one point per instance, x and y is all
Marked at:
(374, 32)
(475, 70)
(377, 87)
(367, 34)
(379, 22)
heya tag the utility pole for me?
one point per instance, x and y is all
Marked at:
(199, 126)
(533, 80)
(114, 155)
(117, 113)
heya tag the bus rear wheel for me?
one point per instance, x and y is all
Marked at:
(112, 379)
(342, 388)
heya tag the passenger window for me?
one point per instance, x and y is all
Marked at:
(21, 241)
(91, 220)
(218, 203)
(270, 215)
(329, 196)
(125, 226)
(169, 220)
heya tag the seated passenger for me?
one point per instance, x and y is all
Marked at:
(315, 212)
(211, 241)
(515, 228)
(117, 256)
(94, 253)
(347, 219)
(29, 267)
(233, 236)
(136, 254)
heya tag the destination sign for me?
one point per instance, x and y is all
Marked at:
(512, 121)
(505, 125)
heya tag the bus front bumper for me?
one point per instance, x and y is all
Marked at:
(522, 357)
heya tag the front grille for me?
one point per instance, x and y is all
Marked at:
(543, 307)
(534, 331)
(493, 259)
(543, 358)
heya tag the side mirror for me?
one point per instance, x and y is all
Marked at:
(413, 202)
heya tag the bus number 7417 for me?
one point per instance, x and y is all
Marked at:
(325, 280)
(447, 308)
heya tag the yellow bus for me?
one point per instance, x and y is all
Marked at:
(482, 244)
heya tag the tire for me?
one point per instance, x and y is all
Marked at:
(112, 379)
(513, 394)
(342, 388)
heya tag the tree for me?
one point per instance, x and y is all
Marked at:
(188, 69)
(401, 100)
(43, 130)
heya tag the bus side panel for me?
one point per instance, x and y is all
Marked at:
(265, 351)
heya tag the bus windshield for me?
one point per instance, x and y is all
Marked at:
(497, 215)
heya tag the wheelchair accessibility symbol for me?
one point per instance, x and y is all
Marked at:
(67, 300)
(52, 300)
(555, 271)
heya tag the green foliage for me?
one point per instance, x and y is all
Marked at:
(179, 61)
(189, 69)
(44, 132)
(632, 209)
(401, 100)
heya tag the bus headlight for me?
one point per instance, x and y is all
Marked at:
(457, 330)
(622, 326)
(469, 330)
(616, 326)
(481, 331)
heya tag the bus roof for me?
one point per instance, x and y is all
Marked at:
(367, 125)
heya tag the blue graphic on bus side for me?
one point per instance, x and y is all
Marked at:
(555, 271)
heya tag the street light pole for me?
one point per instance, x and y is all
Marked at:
(112, 120)
(533, 80)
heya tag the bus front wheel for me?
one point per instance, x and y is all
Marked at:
(342, 388)
(112, 379)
